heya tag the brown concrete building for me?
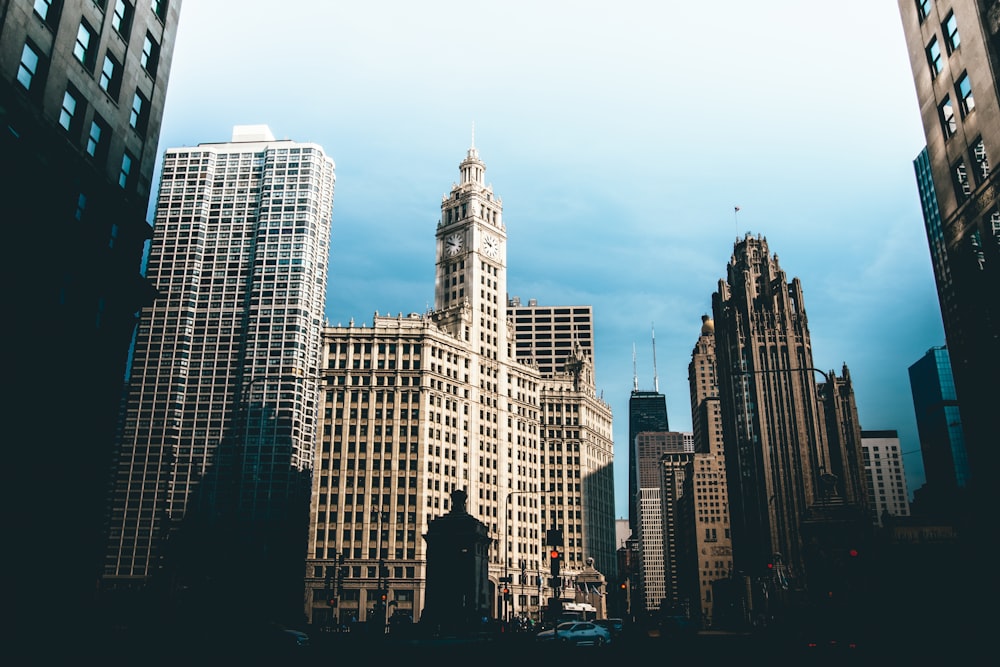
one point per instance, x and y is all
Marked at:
(954, 48)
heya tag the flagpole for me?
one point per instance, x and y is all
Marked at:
(736, 221)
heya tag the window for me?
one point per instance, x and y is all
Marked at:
(159, 8)
(82, 49)
(139, 116)
(150, 55)
(964, 90)
(121, 21)
(98, 139)
(946, 113)
(81, 206)
(923, 9)
(29, 67)
(961, 177)
(950, 30)
(124, 175)
(48, 11)
(111, 74)
(980, 160)
(934, 57)
(68, 115)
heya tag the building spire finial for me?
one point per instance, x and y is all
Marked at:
(473, 135)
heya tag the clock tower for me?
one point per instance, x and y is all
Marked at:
(470, 293)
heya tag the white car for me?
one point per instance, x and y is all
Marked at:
(577, 633)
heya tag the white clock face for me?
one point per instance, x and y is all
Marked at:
(453, 244)
(491, 246)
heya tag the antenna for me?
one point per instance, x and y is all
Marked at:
(656, 379)
(635, 375)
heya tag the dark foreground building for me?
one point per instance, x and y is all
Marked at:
(82, 89)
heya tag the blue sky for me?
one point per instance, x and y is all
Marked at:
(620, 137)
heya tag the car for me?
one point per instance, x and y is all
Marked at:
(612, 625)
(576, 633)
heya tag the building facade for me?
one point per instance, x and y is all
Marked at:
(82, 90)
(887, 492)
(939, 427)
(220, 422)
(421, 404)
(776, 419)
(661, 456)
(705, 549)
(954, 49)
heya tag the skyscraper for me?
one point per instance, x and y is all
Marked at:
(660, 456)
(939, 426)
(418, 405)
(647, 411)
(220, 421)
(954, 48)
(782, 461)
(82, 89)
(705, 549)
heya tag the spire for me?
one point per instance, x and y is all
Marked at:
(472, 168)
(656, 379)
(635, 374)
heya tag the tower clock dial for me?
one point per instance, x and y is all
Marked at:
(491, 246)
(453, 244)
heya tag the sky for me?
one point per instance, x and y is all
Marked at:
(621, 137)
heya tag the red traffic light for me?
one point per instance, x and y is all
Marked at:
(770, 566)
(554, 554)
(853, 553)
(623, 586)
(506, 590)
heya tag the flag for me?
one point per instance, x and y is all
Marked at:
(737, 208)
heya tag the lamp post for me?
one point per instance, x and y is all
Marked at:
(505, 581)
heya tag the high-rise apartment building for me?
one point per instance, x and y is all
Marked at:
(790, 444)
(883, 458)
(705, 550)
(939, 427)
(661, 456)
(550, 336)
(82, 90)
(954, 48)
(418, 405)
(220, 420)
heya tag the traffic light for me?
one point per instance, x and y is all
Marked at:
(623, 586)
(853, 553)
(554, 561)
(331, 602)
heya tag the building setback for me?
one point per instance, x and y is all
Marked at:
(220, 420)
(420, 404)
(954, 49)
(82, 89)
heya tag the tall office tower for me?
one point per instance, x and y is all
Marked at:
(651, 448)
(675, 467)
(887, 492)
(647, 411)
(418, 405)
(939, 427)
(551, 335)
(220, 421)
(775, 418)
(705, 550)
(82, 88)
(954, 48)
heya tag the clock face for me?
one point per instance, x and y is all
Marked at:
(491, 246)
(453, 244)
